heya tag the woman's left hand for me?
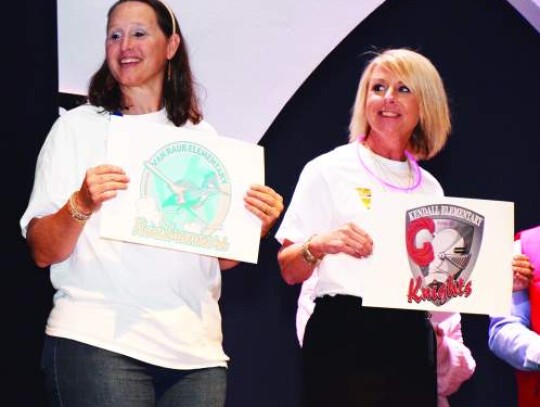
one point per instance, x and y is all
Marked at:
(266, 204)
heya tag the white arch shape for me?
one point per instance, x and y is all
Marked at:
(250, 56)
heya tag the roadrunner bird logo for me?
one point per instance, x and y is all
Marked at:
(185, 195)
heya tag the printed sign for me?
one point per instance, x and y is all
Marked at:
(441, 254)
(430, 253)
(186, 190)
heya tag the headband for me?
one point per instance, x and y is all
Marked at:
(172, 16)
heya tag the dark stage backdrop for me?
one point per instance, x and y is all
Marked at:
(489, 57)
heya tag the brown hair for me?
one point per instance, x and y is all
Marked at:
(179, 95)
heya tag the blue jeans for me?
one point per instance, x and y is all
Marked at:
(80, 375)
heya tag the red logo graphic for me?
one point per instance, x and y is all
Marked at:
(443, 242)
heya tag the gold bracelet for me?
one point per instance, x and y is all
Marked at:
(308, 256)
(74, 210)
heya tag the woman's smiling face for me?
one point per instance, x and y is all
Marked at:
(137, 49)
(391, 106)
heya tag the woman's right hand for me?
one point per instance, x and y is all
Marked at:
(100, 184)
(52, 238)
(349, 239)
(296, 267)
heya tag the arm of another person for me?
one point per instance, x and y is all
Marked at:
(511, 339)
(267, 205)
(455, 363)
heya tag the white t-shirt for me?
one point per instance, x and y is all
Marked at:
(333, 189)
(156, 305)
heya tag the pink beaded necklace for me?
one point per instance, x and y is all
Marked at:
(415, 168)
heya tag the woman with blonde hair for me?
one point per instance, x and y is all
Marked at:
(354, 355)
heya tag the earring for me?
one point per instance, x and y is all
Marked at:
(169, 71)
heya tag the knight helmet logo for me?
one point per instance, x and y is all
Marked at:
(443, 242)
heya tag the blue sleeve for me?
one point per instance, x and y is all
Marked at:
(510, 337)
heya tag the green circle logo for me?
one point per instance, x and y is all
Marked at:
(186, 187)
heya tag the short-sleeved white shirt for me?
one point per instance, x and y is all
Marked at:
(329, 194)
(156, 305)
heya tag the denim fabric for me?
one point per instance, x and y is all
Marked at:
(80, 375)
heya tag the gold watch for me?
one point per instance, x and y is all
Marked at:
(308, 256)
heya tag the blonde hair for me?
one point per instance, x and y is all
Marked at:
(419, 74)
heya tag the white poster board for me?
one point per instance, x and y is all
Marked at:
(186, 190)
(437, 254)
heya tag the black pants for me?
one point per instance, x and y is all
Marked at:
(358, 356)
